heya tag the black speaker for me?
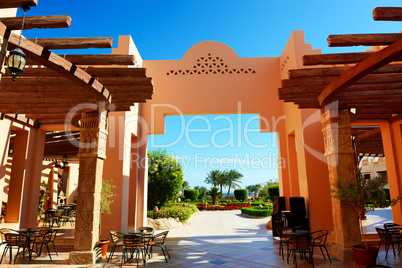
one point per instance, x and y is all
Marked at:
(297, 208)
(278, 205)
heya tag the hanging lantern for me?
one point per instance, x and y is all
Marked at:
(65, 160)
(17, 59)
(16, 62)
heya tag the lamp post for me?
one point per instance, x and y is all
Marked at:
(17, 58)
(64, 160)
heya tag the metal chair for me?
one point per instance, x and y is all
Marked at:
(300, 244)
(117, 240)
(283, 239)
(147, 233)
(45, 239)
(318, 239)
(16, 240)
(159, 241)
(387, 239)
(133, 244)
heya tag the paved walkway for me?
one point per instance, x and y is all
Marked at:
(215, 239)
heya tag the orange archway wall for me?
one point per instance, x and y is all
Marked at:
(212, 79)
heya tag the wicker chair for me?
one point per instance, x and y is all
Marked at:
(159, 241)
(388, 239)
(318, 239)
(16, 240)
(300, 244)
(133, 244)
(283, 240)
(45, 239)
(117, 240)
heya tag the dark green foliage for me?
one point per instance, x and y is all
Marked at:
(215, 194)
(202, 191)
(240, 194)
(273, 190)
(191, 194)
(165, 178)
(386, 190)
(257, 212)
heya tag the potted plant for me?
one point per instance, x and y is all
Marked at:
(364, 195)
(107, 196)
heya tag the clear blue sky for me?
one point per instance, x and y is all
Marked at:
(255, 28)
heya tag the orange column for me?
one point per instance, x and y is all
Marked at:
(135, 163)
(92, 152)
(17, 176)
(341, 164)
(33, 174)
(392, 143)
(5, 126)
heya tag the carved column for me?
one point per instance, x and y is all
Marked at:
(341, 164)
(92, 152)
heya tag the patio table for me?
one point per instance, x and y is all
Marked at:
(29, 232)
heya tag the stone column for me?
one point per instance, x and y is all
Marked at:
(92, 153)
(341, 164)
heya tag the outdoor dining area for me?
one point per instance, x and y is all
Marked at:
(30, 241)
(138, 243)
(59, 217)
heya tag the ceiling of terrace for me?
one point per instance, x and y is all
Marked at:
(52, 85)
(370, 82)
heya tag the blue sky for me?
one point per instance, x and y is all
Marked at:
(255, 28)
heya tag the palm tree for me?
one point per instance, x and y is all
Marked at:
(213, 177)
(185, 185)
(233, 177)
(250, 189)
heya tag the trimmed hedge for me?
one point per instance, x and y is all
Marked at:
(257, 212)
(273, 190)
(240, 194)
(191, 194)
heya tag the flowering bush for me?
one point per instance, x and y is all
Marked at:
(222, 207)
(183, 212)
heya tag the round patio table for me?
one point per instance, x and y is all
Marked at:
(296, 232)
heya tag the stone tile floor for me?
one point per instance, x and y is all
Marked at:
(214, 239)
(214, 251)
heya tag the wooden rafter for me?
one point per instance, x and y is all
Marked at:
(387, 13)
(58, 64)
(336, 58)
(17, 3)
(85, 60)
(362, 39)
(366, 66)
(20, 119)
(42, 22)
(74, 43)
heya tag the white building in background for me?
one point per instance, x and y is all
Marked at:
(374, 167)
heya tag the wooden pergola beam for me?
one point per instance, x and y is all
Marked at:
(347, 40)
(373, 62)
(336, 58)
(387, 13)
(94, 71)
(20, 119)
(74, 43)
(58, 64)
(41, 22)
(84, 60)
(17, 3)
(336, 71)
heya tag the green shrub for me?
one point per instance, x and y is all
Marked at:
(150, 214)
(273, 190)
(182, 211)
(165, 178)
(191, 194)
(257, 212)
(257, 203)
(240, 194)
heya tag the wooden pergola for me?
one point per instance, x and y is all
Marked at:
(371, 86)
(361, 87)
(51, 85)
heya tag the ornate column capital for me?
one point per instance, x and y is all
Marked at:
(336, 131)
(93, 135)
